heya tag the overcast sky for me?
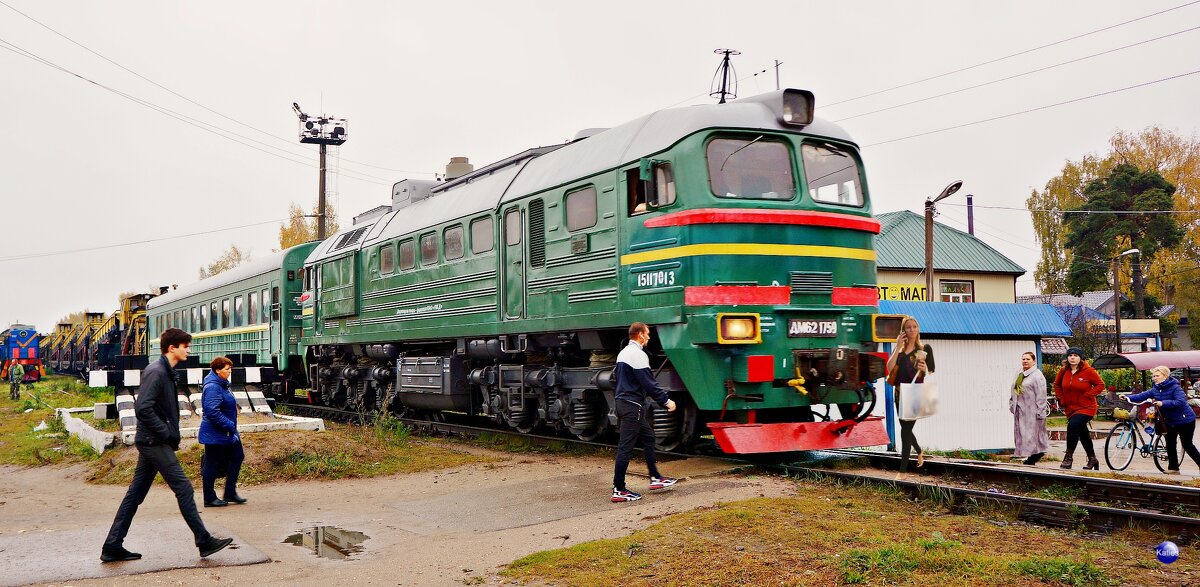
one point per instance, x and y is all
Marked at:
(84, 168)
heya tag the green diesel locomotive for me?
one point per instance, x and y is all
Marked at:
(741, 232)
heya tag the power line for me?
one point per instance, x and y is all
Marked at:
(6, 45)
(1010, 56)
(1078, 211)
(1012, 77)
(181, 96)
(1030, 110)
(132, 243)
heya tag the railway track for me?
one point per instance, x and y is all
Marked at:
(1098, 504)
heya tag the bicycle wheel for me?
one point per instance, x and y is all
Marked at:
(1160, 453)
(1120, 446)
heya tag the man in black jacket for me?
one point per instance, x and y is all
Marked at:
(157, 439)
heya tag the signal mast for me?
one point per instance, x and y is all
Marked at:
(323, 131)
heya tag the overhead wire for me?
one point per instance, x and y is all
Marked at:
(132, 243)
(1011, 55)
(181, 96)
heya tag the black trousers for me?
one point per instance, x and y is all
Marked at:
(908, 441)
(1078, 433)
(221, 460)
(153, 460)
(634, 424)
(1184, 432)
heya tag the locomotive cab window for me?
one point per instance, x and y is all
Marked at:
(429, 252)
(453, 241)
(482, 240)
(387, 259)
(644, 196)
(512, 227)
(581, 209)
(408, 255)
(756, 169)
(832, 174)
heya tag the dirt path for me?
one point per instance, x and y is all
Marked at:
(432, 528)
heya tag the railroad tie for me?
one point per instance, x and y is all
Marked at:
(258, 401)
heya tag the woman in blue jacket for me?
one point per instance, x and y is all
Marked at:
(223, 453)
(1181, 421)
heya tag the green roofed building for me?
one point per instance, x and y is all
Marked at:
(966, 268)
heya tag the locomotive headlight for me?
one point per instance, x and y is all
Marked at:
(738, 329)
(798, 107)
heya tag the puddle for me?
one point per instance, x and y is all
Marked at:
(329, 541)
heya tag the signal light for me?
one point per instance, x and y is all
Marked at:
(738, 329)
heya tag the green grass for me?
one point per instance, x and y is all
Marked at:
(21, 445)
(1062, 571)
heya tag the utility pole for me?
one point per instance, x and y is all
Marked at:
(725, 80)
(930, 211)
(322, 131)
(777, 64)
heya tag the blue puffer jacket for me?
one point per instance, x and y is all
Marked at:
(1174, 401)
(219, 425)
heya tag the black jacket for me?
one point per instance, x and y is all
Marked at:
(157, 406)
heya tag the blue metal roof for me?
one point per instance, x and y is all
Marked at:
(985, 319)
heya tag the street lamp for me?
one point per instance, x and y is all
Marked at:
(1117, 294)
(930, 210)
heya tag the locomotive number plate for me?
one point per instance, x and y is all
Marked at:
(819, 328)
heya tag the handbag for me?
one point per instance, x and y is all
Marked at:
(918, 400)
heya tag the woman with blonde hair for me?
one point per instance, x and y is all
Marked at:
(1028, 407)
(1181, 421)
(910, 362)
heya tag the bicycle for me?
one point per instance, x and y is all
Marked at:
(1125, 439)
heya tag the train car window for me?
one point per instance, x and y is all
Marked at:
(214, 317)
(266, 306)
(252, 304)
(581, 209)
(203, 318)
(512, 227)
(453, 242)
(307, 280)
(408, 255)
(832, 174)
(387, 259)
(195, 318)
(275, 304)
(239, 310)
(429, 252)
(482, 240)
(225, 321)
(758, 169)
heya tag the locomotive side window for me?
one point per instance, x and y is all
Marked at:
(238, 311)
(387, 259)
(832, 174)
(758, 168)
(252, 305)
(453, 241)
(429, 253)
(213, 317)
(481, 235)
(512, 227)
(581, 209)
(408, 255)
(644, 196)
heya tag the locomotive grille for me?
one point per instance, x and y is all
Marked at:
(811, 282)
(537, 233)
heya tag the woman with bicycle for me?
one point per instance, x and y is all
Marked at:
(1028, 406)
(1077, 386)
(1172, 404)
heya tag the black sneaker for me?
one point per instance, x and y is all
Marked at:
(112, 555)
(214, 545)
(216, 503)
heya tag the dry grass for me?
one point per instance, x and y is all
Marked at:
(21, 445)
(339, 452)
(845, 535)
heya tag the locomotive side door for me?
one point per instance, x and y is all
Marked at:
(512, 266)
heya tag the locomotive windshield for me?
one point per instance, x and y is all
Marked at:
(832, 174)
(757, 168)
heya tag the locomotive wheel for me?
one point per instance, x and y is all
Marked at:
(593, 434)
(687, 429)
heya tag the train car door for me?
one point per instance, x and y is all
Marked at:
(513, 265)
(276, 332)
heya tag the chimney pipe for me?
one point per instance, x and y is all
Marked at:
(971, 214)
(458, 167)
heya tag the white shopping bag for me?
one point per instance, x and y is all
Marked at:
(918, 400)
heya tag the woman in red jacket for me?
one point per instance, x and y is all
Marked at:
(1077, 386)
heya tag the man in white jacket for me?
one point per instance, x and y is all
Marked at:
(635, 381)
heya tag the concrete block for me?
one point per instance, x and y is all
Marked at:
(104, 411)
(100, 441)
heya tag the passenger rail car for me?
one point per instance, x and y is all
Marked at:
(21, 343)
(742, 233)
